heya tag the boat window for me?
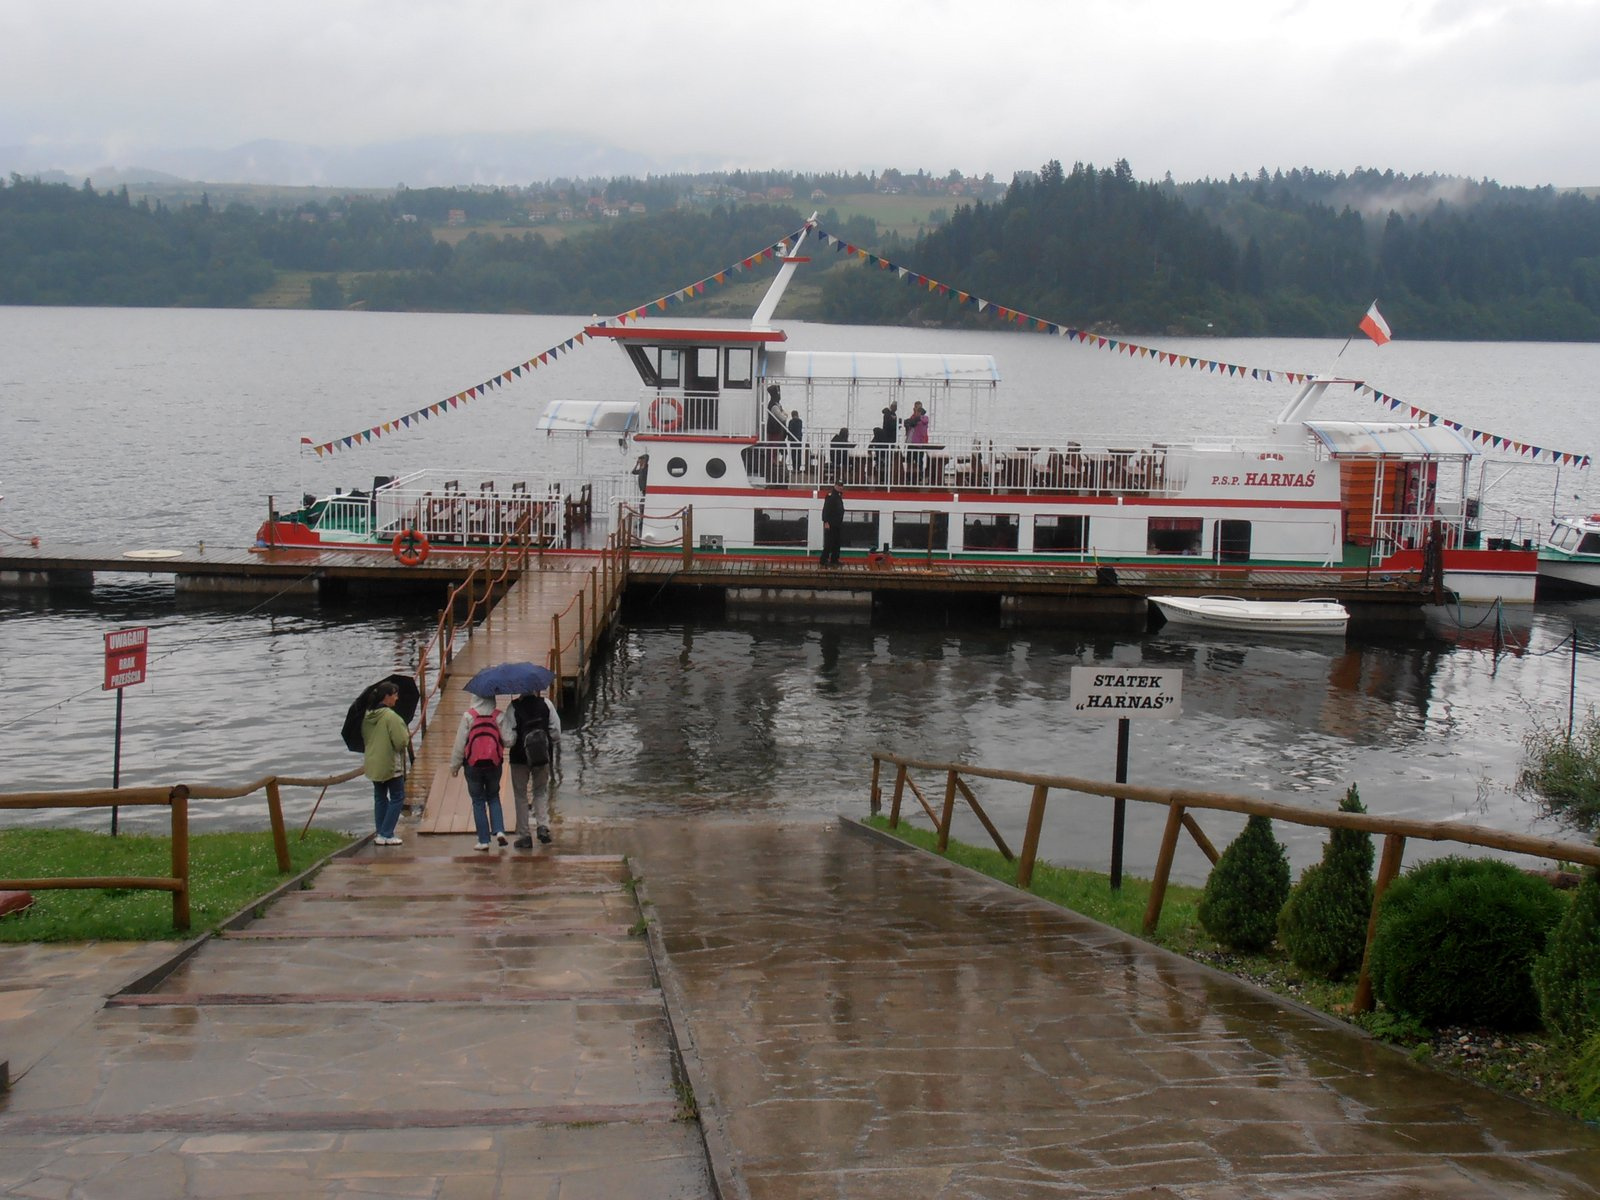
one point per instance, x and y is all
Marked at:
(716, 468)
(1232, 541)
(781, 527)
(667, 366)
(1174, 535)
(700, 371)
(860, 531)
(739, 367)
(677, 468)
(1590, 544)
(920, 531)
(989, 531)
(1060, 533)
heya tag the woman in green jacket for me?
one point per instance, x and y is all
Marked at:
(385, 736)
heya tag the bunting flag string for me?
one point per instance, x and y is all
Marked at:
(545, 357)
(1033, 324)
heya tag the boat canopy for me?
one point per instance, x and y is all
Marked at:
(846, 367)
(590, 416)
(1352, 438)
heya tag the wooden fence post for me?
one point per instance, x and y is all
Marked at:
(1158, 885)
(899, 791)
(280, 840)
(180, 855)
(688, 538)
(1030, 839)
(949, 811)
(1394, 848)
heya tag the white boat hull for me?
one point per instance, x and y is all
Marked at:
(1280, 616)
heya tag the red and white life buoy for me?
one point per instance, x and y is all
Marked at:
(666, 413)
(410, 547)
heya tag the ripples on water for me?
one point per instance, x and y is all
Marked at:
(152, 428)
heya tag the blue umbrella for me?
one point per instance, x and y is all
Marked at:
(509, 679)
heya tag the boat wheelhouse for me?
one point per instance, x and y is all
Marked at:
(1569, 562)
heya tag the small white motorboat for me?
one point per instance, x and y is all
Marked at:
(1233, 612)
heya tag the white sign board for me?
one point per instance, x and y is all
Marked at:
(1126, 692)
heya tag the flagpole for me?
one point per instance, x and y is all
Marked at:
(1345, 347)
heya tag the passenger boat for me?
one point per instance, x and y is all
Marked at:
(1236, 613)
(1308, 503)
(1570, 558)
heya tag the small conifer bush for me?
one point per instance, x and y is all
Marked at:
(1456, 942)
(1323, 926)
(1567, 975)
(1246, 889)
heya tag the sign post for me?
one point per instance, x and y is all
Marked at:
(1126, 694)
(127, 652)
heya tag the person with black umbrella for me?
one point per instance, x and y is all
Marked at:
(385, 738)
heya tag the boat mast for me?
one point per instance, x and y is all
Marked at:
(763, 314)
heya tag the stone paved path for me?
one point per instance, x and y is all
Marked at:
(856, 1019)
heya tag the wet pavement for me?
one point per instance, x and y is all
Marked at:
(855, 1019)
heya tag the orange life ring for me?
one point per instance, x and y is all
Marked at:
(410, 547)
(674, 409)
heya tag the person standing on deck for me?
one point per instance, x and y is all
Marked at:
(777, 419)
(384, 737)
(532, 782)
(796, 432)
(832, 525)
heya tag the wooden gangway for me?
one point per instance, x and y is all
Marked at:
(558, 615)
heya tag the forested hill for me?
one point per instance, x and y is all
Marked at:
(1296, 253)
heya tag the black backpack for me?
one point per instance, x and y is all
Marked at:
(533, 730)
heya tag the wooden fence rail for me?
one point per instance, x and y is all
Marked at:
(1179, 802)
(176, 798)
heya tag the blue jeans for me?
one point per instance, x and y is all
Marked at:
(483, 785)
(388, 797)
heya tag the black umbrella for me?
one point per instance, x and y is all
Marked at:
(406, 706)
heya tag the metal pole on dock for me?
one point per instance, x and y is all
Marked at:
(1119, 806)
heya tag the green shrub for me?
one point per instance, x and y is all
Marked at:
(1562, 774)
(1456, 942)
(1323, 925)
(1246, 889)
(1584, 1078)
(1567, 975)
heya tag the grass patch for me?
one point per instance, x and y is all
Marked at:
(226, 872)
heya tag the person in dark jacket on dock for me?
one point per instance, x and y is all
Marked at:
(530, 784)
(832, 525)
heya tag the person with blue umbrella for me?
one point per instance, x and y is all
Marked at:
(480, 748)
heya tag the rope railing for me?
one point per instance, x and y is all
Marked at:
(595, 604)
(1179, 802)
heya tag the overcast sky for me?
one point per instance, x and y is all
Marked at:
(1503, 89)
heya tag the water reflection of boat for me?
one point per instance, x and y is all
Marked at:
(1495, 626)
(1570, 559)
(1232, 612)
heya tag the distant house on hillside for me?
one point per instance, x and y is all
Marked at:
(780, 193)
(456, 216)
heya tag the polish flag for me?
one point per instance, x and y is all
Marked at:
(1374, 326)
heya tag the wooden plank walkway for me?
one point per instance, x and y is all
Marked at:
(518, 629)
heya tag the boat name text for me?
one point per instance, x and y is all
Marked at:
(1267, 479)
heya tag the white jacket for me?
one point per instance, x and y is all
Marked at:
(480, 704)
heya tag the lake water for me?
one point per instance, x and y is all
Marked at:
(165, 428)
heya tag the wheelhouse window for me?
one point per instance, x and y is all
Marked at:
(989, 531)
(738, 367)
(860, 529)
(781, 527)
(701, 369)
(920, 531)
(1060, 533)
(1175, 535)
(668, 359)
(1590, 544)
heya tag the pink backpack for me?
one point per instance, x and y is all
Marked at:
(484, 747)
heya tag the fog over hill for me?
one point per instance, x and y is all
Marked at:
(489, 159)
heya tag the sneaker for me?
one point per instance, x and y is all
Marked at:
(523, 843)
(481, 846)
(544, 834)
(501, 838)
(387, 841)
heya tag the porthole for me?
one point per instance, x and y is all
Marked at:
(677, 468)
(716, 468)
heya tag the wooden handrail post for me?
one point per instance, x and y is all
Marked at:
(280, 839)
(1200, 838)
(1394, 849)
(899, 791)
(1158, 885)
(688, 538)
(874, 793)
(555, 653)
(1030, 839)
(180, 855)
(949, 810)
(594, 601)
